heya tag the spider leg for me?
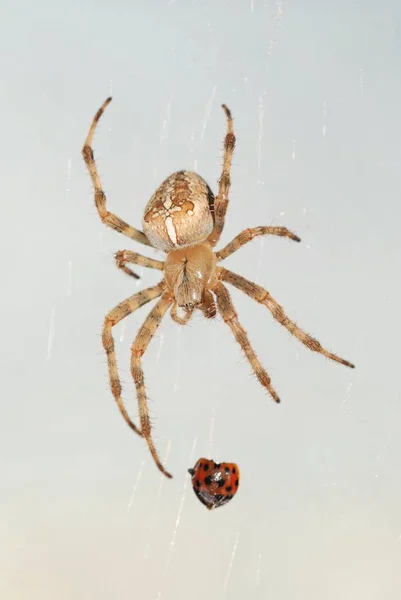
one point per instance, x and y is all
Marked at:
(126, 256)
(227, 311)
(108, 218)
(222, 198)
(116, 315)
(249, 234)
(138, 348)
(263, 297)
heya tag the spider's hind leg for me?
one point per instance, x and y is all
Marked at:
(108, 218)
(222, 198)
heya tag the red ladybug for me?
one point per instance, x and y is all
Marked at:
(214, 483)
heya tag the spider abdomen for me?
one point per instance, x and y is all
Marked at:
(180, 212)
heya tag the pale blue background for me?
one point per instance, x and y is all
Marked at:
(315, 91)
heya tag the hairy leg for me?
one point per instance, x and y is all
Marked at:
(249, 234)
(263, 297)
(227, 311)
(116, 315)
(108, 218)
(139, 347)
(126, 256)
(222, 198)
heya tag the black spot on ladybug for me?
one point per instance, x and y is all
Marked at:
(205, 467)
(234, 470)
(236, 483)
(208, 480)
(226, 470)
(198, 483)
(221, 482)
(229, 488)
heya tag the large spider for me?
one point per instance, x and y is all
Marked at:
(184, 219)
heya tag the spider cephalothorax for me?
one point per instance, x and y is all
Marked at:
(185, 220)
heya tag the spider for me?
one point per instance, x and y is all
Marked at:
(185, 220)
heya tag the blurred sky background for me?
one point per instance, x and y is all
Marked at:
(315, 91)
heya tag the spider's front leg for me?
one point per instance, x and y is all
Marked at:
(116, 315)
(227, 311)
(138, 349)
(263, 297)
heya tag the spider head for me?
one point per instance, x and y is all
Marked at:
(189, 273)
(188, 291)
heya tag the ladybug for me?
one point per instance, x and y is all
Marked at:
(214, 483)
